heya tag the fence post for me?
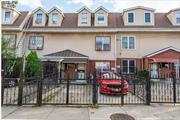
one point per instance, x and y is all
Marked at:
(174, 88)
(95, 90)
(21, 80)
(134, 86)
(39, 91)
(122, 89)
(67, 90)
(2, 86)
(148, 89)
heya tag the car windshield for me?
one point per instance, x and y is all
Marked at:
(110, 76)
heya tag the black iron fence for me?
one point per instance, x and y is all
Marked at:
(48, 89)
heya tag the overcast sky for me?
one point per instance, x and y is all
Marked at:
(111, 5)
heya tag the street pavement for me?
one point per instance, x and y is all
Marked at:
(139, 112)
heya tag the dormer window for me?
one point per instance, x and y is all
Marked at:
(130, 17)
(54, 18)
(147, 17)
(178, 17)
(39, 18)
(84, 18)
(7, 16)
(100, 18)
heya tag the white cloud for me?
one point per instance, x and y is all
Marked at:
(31, 3)
(84, 2)
(159, 5)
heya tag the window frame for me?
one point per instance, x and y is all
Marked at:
(7, 20)
(103, 64)
(29, 46)
(128, 36)
(128, 67)
(37, 22)
(81, 18)
(133, 17)
(98, 14)
(177, 17)
(145, 17)
(56, 16)
(102, 45)
(14, 46)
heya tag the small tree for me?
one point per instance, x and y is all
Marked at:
(34, 65)
(143, 73)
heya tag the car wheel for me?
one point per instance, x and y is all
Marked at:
(11, 83)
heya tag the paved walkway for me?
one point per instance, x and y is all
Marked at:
(139, 112)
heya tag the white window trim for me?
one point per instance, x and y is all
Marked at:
(176, 17)
(133, 18)
(4, 20)
(42, 17)
(98, 16)
(150, 18)
(128, 65)
(82, 18)
(52, 17)
(128, 42)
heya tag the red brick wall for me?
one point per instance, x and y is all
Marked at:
(138, 62)
(91, 65)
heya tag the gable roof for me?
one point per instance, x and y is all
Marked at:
(39, 8)
(55, 8)
(11, 9)
(163, 50)
(101, 7)
(139, 7)
(84, 7)
(67, 54)
(18, 21)
(176, 9)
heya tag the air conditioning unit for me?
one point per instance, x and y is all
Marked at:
(38, 21)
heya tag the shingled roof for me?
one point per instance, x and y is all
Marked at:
(115, 20)
(18, 21)
(66, 53)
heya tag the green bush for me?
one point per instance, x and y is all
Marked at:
(143, 73)
(34, 65)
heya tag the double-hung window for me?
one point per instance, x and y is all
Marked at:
(39, 18)
(84, 18)
(128, 66)
(102, 43)
(7, 16)
(130, 17)
(147, 17)
(36, 42)
(128, 42)
(100, 17)
(178, 17)
(102, 66)
(11, 38)
(54, 18)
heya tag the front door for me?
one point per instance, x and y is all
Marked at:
(71, 71)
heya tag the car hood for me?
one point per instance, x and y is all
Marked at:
(111, 81)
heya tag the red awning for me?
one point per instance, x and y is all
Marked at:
(166, 60)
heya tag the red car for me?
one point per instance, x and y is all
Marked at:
(110, 83)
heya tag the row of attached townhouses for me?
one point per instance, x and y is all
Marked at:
(85, 41)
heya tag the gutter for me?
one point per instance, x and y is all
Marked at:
(106, 30)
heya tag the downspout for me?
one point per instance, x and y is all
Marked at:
(115, 50)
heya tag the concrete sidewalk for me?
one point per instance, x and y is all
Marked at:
(139, 112)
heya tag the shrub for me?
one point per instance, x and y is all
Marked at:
(34, 65)
(143, 73)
